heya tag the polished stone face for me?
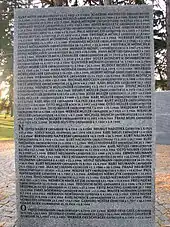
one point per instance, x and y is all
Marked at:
(84, 117)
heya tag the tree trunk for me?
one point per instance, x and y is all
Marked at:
(11, 99)
(168, 42)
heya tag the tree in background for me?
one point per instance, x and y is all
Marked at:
(6, 38)
(168, 42)
(159, 24)
(6, 48)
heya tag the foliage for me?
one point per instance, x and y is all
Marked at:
(159, 24)
(6, 46)
(52, 3)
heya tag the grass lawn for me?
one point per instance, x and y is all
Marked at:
(6, 127)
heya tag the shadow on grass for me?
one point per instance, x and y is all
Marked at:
(6, 132)
(6, 124)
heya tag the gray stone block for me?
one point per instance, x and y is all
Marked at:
(84, 127)
(163, 117)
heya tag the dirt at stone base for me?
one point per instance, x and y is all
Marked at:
(7, 185)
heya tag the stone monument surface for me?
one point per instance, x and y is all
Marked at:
(163, 117)
(84, 126)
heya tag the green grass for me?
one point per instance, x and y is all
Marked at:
(6, 127)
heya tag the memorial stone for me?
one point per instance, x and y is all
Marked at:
(84, 116)
(163, 117)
